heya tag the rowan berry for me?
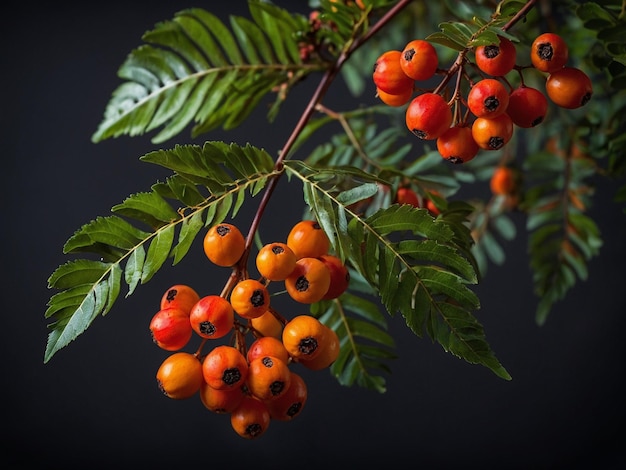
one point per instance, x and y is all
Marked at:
(171, 329)
(527, 106)
(457, 145)
(267, 346)
(181, 296)
(496, 59)
(225, 368)
(251, 418)
(329, 351)
(224, 244)
(303, 336)
(430, 204)
(275, 261)
(419, 59)
(308, 239)
(492, 133)
(268, 325)
(212, 317)
(268, 377)
(569, 87)
(250, 298)
(502, 181)
(339, 276)
(428, 116)
(180, 375)
(488, 98)
(549, 52)
(388, 75)
(396, 100)
(220, 401)
(309, 282)
(406, 195)
(290, 404)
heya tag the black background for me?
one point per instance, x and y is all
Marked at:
(96, 404)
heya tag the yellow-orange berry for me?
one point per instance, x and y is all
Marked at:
(224, 244)
(275, 261)
(251, 418)
(181, 296)
(309, 282)
(303, 336)
(290, 404)
(308, 239)
(250, 298)
(180, 375)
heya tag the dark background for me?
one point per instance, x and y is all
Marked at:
(96, 404)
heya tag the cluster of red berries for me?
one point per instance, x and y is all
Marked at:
(493, 106)
(253, 383)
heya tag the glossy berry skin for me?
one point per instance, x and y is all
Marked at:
(212, 317)
(220, 401)
(250, 298)
(170, 329)
(251, 418)
(290, 404)
(569, 87)
(267, 346)
(303, 337)
(268, 377)
(406, 195)
(339, 276)
(492, 133)
(388, 75)
(268, 325)
(527, 107)
(180, 375)
(225, 368)
(549, 52)
(419, 60)
(502, 181)
(329, 352)
(496, 59)
(275, 261)
(457, 145)
(428, 116)
(309, 282)
(488, 98)
(396, 100)
(180, 296)
(307, 239)
(224, 244)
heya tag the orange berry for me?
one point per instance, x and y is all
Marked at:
(488, 98)
(250, 298)
(275, 261)
(308, 239)
(502, 181)
(180, 296)
(428, 116)
(419, 59)
(220, 401)
(268, 377)
(268, 325)
(170, 329)
(309, 282)
(396, 100)
(406, 195)
(224, 244)
(492, 133)
(457, 145)
(180, 375)
(251, 418)
(496, 59)
(329, 351)
(388, 75)
(339, 276)
(527, 107)
(569, 87)
(549, 52)
(212, 317)
(290, 404)
(225, 368)
(303, 336)
(267, 346)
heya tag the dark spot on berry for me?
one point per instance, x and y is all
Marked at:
(277, 387)
(538, 120)
(495, 143)
(277, 249)
(408, 55)
(545, 51)
(302, 284)
(207, 328)
(491, 103)
(317, 226)
(585, 99)
(307, 345)
(222, 230)
(492, 51)
(254, 430)
(267, 362)
(419, 133)
(171, 294)
(294, 409)
(455, 160)
(231, 376)
(257, 299)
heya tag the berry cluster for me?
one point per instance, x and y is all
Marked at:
(493, 106)
(254, 383)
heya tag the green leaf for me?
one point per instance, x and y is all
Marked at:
(89, 288)
(195, 69)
